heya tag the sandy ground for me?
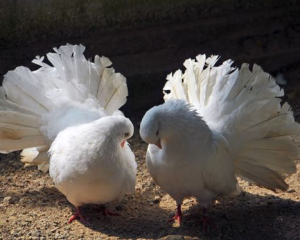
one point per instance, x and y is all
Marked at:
(32, 208)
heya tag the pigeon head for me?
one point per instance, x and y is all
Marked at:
(118, 127)
(150, 126)
(170, 120)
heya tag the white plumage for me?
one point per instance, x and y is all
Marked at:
(96, 168)
(219, 123)
(71, 108)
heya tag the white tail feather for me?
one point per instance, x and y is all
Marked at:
(36, 105)
(36, 156)
(244, 106)
(19, 119)
(261, 175)
(5, 105)
(29, 154)
(8, 145)
(175, 86)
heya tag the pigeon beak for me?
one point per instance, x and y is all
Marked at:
(123, 143)
(158, 144)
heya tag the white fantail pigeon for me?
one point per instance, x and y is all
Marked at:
(65, 117)
(218, 123)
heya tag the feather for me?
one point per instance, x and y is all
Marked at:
(44, 167)
(191, 83)
(261, 175)
(15, 132)
(36, 105)
(118, 94)
(115, 93)
(24, 89)
(8, 105)
(35, 156)
(174, 84)
(17, 137)
(28, 155)
(10, 145)
(245, 105)
(272, 160)
(18, 96)
(17, 118)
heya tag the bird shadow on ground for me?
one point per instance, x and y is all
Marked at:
(139, 218)
(10, 163)
(248, 216)
(42, 197)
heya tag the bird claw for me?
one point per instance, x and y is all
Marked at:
(175, 218)
(206, 222)
(77, 215)
(108, 213)
(178, 215)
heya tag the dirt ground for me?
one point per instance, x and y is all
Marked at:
(32, 208)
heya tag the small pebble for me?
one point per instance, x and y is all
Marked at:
(156, 199)
(7, 200)
(57, 235)
(173, 237)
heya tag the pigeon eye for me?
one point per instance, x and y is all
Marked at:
(126, 135)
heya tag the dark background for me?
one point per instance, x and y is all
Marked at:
(146, 40)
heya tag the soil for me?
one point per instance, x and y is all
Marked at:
(32, 208)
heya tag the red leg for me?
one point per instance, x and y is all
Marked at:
(178, 215)
(108, 213)
(76, 215)
(206, 221)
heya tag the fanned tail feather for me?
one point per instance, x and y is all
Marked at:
(31, 100)
(245, 107)
(36, 156)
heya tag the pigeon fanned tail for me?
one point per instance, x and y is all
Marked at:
(244, 106)
(31, 101)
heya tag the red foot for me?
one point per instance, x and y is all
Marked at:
(76, 215)
(178, 215)
(206, 221)
(108, 213)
